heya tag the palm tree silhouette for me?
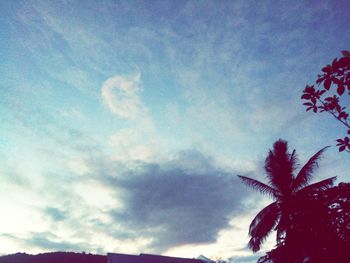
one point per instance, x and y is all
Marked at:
(287, 189)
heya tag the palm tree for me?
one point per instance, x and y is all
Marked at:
(287, 189)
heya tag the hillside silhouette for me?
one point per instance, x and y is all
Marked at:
(53, 257)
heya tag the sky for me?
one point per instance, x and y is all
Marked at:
(125, 123)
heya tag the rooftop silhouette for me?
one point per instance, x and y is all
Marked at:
(147, 258)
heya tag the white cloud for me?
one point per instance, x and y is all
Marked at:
(121, 94)
(128, 144)
(102, 197)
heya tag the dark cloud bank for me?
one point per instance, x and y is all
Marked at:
(184, 201)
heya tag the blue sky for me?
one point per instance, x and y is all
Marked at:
(124, 123)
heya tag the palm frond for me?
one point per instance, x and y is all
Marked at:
(321, 185)
(257, 185)
(305, 172)
(262, 225)
(294, 161)
(261, 216)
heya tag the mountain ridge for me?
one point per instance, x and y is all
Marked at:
(53, 257)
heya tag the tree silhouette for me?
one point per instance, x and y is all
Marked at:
(337, 199)
(289, 191)
(320, 230)
(325, 99)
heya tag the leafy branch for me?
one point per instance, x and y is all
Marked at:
(332, 84)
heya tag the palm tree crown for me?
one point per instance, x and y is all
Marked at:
(286, 188)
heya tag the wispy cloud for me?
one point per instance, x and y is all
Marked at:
(121, 94)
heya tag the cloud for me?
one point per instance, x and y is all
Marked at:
(121, 95)
(128, 144)
(12, 176)
(50, 242)
(44, 241)
(55, 213)
(176, 203)
(246, 259)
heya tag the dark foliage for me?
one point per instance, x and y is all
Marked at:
(319, 231)
(54, 257)
(332, 86)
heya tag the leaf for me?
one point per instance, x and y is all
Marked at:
(321, 185)
(309, 89)
(321, 92)
(345, 53)
(344, 62)
(335, 64)
(342, 148)
(262, 225)
(308, 104)
(255, 184)
(340, 89)
(306, 96)
(315, 109)
(327, 69)
(343, 115)
(305, 173)
(335, 80)
(309, 108)
(337, 107)
(327, 84)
